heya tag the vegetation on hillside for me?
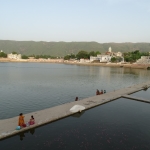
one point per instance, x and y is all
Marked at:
(61, 49)
(73, 50)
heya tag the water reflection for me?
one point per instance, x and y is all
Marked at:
(78, 115)
(22, 134)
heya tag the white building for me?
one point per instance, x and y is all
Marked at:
(14, 56)
(92, 58)
(110, 50)
(107, 56)
(143, 60)
(118, 54)
(104, 58)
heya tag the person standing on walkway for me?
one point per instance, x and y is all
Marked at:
(97, 92)
(21, 120)
(76, 99)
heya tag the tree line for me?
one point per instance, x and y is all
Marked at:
(128, 56)
(81, 54)
(38, 56)
(4, 55)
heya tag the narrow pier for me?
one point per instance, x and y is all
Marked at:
(8, 126)
(136, 98)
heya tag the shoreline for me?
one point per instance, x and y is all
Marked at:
(134, 66)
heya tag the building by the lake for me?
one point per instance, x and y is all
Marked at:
(14, 56)
(143, 60)
(106, 57)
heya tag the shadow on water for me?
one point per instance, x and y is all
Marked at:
(22, 134)
(78, 115)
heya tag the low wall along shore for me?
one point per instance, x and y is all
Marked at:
(8, 126)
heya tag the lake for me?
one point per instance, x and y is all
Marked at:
(122, 124)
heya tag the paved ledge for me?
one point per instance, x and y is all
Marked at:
(8, 126)
(136, 98)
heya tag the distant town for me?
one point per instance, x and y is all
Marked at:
(134, 57)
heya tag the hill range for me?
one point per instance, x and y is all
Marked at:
(64, 48)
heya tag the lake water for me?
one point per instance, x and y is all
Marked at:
(120, 125)
(28, 87)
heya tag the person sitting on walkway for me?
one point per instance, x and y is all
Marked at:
(76, 99)
(21, 120)
(32, 121)
(97, 92)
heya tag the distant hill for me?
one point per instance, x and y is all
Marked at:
(64, 48)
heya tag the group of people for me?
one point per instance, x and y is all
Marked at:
(97, 93)
(21, 122)
(100, 92)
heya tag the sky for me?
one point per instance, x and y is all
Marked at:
(101, 21)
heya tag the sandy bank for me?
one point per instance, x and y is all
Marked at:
(136, 66)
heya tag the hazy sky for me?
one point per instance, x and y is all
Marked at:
(75, 20)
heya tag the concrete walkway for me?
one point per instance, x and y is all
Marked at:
(136, 98)
(8, 126)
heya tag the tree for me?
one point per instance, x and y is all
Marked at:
(97, 52)
(37, 57)
(113, 59)
(2, 54)
(24, 57)
(67, 57)
(71, 56)
(82, 54)
(14, 52)
(133, 56)
(92, 53)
